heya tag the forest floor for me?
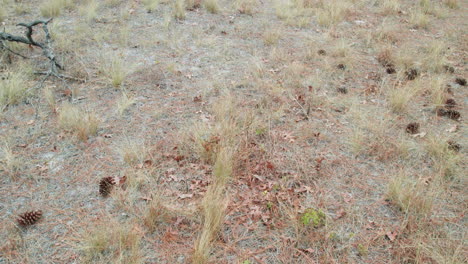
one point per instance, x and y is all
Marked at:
(274, 131)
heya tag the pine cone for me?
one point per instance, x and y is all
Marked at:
(450, 103)
(29, 218)
(412, 128)
(461, 81)
(105, 185)
(411, 74)
(452, 145)
(452, 114)
(441, 112)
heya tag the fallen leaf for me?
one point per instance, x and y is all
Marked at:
(454, 128)
(421, 135)
(197, 98)
(341, 213)
(119, 180)
(146, 198)
(391, 235)
(67, 93)
(185, 196)
(178, 158)
(148, 163)
(371, 225)
(30, 122)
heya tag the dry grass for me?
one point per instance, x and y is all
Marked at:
(49, 97)
(156, 215)
(150, 5)
(446, 161)
(179, 9)
(451, 3)
(409, 196)
(214, 205)
(132, 151)
(246, 6)
(437, 89)
(271, 36)
(53, 8)
(332, 13)
(419, 19)
(249, 141)
(434, 57)
(390, 6)
(81, 123)
(111, 242)
(14, 86)
(399, 97)
(10, 163)
(115, 69)
(211, 6)
(124, 103)
(2, 15)
(89, 10)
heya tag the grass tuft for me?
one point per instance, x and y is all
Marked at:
(10, 163)
(118, 244)
(410, 196)
(150, 5)
(211, 6)
(53, 8)
(115, 70)
(81, 123)
(179, 9)
(419, 19)
(14, 87)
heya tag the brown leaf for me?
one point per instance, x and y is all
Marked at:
(452, 129)
(197, 98)
(371, 225)
(391, 235)
(147, 198)
(178, 158)
(119, 180)
(341, 213)
(185, 196)
(148, 163)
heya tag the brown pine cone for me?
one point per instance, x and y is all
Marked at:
(450, 103)
(105, 185)
(412, 128)
(29, 218)
(452, 145)
(452, 114)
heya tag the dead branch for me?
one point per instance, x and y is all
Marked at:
(29, 40)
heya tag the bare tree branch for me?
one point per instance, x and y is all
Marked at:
(29, 40)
